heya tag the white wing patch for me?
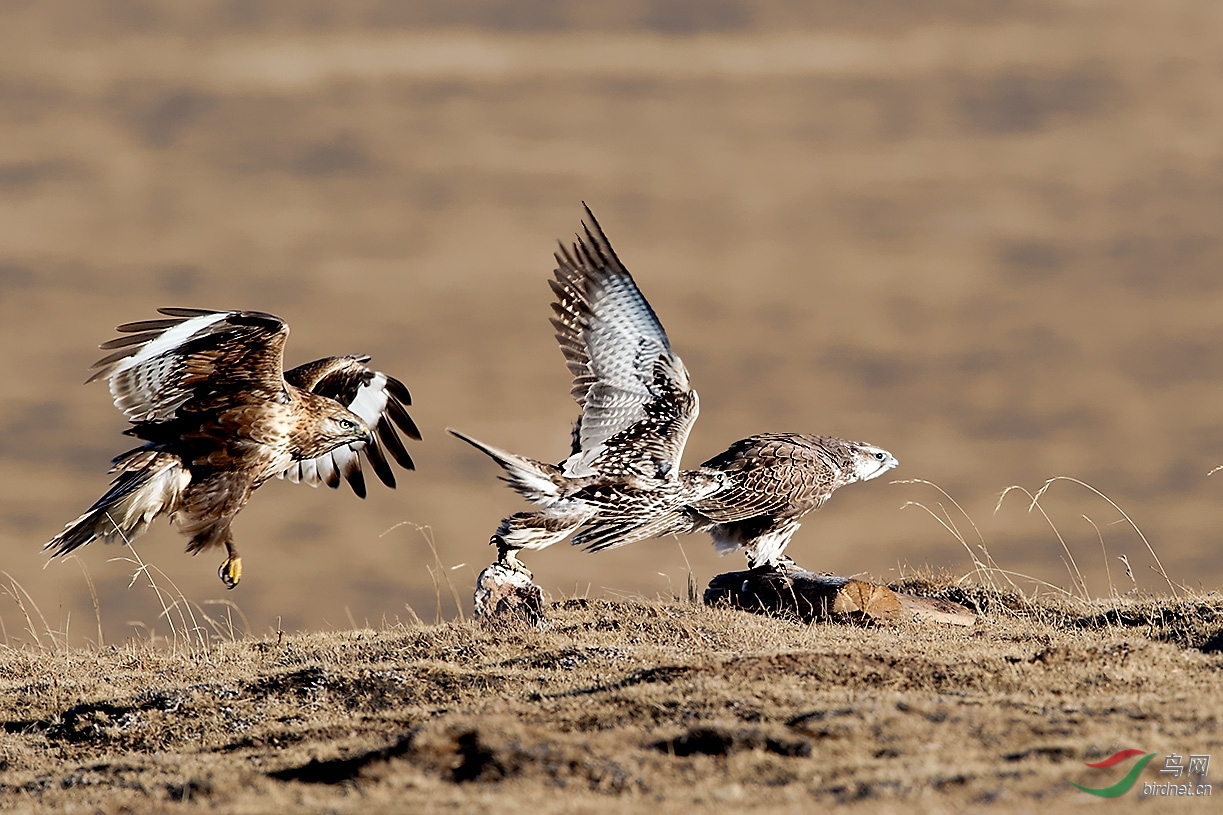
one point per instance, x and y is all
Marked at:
(302, 472)
(371, 400)
(143, 385)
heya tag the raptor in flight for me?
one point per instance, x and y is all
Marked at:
(207, 392)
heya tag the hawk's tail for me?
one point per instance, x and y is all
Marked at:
(534, 480)
(148, 483)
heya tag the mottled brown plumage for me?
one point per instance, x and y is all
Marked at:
(207, 392)
(771, 482)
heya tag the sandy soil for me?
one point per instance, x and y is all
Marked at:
(626, 706)
(985, 238)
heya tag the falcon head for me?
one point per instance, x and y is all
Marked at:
(870, 461)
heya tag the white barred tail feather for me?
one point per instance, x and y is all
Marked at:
(147, 485)
(534, 480)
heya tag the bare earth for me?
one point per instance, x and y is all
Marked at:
(627, 705)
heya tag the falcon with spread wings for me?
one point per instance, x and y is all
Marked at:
(207, 392)
(754, 494)
(637, 408)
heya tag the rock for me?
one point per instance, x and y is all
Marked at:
(811, 596)
(506, 597)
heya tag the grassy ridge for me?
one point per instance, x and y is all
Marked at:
(617, 705)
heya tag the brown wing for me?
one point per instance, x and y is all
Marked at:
(774, 474)
(629, 384)
(770, 477)
(379, 400)
(195, 361)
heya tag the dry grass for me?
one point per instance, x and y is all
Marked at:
(622, 704)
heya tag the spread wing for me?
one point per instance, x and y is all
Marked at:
(194, 361)
(637, 404)
(379, 400)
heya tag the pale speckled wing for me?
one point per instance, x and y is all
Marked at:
(379, 400)
(654, 513)
(637, 404)
(195, 361)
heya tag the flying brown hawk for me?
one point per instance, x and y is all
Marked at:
(771, 482)
(637, 410)
(207, 392)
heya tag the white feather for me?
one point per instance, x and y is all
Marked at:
(171, 339)
(370, 400)
(309, 473)
(326, 468)
(346, 459)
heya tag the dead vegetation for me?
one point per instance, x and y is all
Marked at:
(664, 704)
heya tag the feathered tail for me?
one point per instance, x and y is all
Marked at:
(147, 484)
(536, 481)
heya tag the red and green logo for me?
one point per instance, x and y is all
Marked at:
(1122, 786)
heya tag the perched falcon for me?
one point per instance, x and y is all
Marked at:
(637, 410)
(771, 482)
(207, 392)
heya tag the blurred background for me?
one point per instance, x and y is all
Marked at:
(982, 235)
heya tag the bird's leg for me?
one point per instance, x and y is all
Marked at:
(508, 557)
(231, 570)
(781, 563)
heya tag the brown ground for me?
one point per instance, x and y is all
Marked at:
(625, 706)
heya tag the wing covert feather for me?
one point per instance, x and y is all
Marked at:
(197, 362)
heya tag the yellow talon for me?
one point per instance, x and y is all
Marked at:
(231, 571)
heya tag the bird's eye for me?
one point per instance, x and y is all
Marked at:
(879, 456)
(348, 424)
